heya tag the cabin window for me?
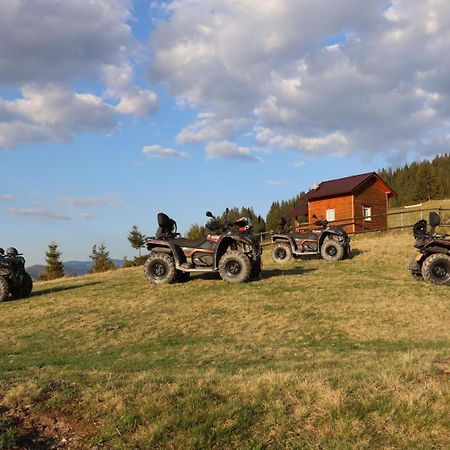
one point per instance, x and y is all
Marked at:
(367, 213)
(331, 216)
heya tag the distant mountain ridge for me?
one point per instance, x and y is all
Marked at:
(71, 268)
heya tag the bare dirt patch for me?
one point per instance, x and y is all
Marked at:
(45, 431)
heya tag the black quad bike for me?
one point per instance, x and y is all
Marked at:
(432, 263)
(230, 249)
(14, 280)
(331, 243)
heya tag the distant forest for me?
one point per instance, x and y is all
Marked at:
(419, 181)
(415, 182)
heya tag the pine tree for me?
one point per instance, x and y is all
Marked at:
(54, 268)
(419, 181)
(196, 231)
(136, 238)
(101, 262)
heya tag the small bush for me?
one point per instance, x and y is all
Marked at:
(137, 261)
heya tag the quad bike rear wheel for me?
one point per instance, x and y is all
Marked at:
(4, 289)
(415, 269)
(282, 253)
(235, 267)
(332, 250)
(160, 268)
(436, 269)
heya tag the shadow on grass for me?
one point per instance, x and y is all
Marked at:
(357, 252)
(282, 272)
(63, 288)
(19, 431)
(265, 274)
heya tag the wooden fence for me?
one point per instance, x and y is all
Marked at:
(397, 220)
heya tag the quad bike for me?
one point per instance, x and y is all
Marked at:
(331, 243)
(13, 278)
(432, 263)
(230, 249)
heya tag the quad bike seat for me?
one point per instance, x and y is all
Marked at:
(307, 235)
(192, 243)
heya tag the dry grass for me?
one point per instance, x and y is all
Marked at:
(316, 355)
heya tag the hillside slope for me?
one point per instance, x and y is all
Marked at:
(352, 354)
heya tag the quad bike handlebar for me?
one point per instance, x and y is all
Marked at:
(242, 224)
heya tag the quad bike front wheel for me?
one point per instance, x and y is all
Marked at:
(332, 250)
(235, 267)
(4, 289)
(160, 268)
(436, 269)
(282, 253)
(415, 269)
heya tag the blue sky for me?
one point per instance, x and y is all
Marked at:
(191, 106)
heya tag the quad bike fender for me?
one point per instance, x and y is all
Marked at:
(168, 248)
(332, 235)
(433, 248)
(224, 243)
(280, 237)
(284, 238)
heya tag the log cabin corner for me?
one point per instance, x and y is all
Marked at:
(358, 203)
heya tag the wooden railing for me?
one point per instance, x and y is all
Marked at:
(362, 227)
(362, 224)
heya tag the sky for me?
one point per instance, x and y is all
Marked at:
(114, 110)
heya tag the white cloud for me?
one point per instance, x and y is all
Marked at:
(44, 41)
(46, 46)
(274, 183)
(298, 164)
(135, 101)
(92, 202)
(51, 113)
(6, 197)
(37, 213)
(156, 151)
(229, 150)
(331, 143)
(210, 127)
(315, 77)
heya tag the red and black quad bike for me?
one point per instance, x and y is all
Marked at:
(231, 249)
(432, 263)
(14, 280)
(330, 242)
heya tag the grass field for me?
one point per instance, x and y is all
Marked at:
(319, 355)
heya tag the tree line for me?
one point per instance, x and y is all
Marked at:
(419, 181)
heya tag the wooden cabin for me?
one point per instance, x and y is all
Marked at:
(357, 203)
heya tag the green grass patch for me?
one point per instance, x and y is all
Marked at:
(353, 354)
